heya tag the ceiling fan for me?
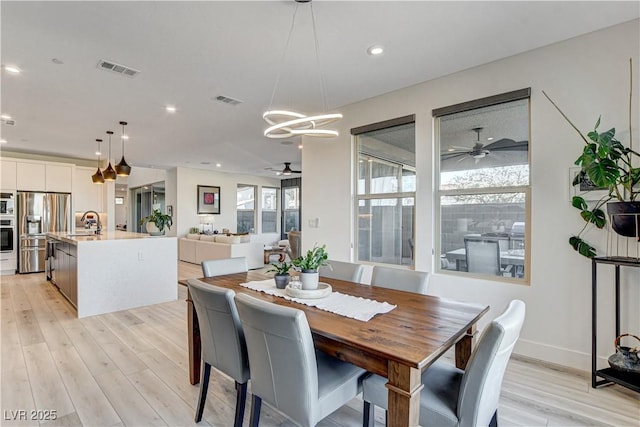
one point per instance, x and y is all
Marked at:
(480, 150)
(286, 171)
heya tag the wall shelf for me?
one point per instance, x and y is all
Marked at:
(609, 375)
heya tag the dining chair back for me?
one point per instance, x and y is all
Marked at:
(295, 238)
(452, 397)
(220, 267)
(222, 340)
(286, 371)
(483, 256)
(399, 279)
(342, 271)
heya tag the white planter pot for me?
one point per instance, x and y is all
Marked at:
(309, 279)
(153, 230)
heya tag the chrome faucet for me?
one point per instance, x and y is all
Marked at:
(88, 223)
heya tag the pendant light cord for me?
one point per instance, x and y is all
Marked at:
(284, 54)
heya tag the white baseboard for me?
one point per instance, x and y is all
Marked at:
(556, 355)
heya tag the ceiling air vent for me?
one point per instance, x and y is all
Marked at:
(117, 68)
(9, 122)
(228, 100)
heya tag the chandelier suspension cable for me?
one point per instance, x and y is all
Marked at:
(284, 54)
(325, 106)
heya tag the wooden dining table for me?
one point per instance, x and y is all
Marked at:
(398, 345)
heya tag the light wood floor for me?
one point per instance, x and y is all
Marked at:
(130, 368)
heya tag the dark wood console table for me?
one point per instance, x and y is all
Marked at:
(610, 375)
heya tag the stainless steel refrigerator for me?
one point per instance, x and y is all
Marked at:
(38, 214)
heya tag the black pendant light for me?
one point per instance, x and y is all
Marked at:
(109, 173)
(97, 177)
(122, 168)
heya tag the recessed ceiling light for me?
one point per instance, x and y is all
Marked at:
(98, 153)
(300, 146)
(125, 137)
(375, 50)
(490, 138)
(12, 69)
(170, 108)
(218, 165)
(3, 141)
(5, 117)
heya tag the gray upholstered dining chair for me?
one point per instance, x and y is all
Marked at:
(399, 279)
(220, 267)
(452, 397)
(483, 256)
(295, 239)
(286, 371)
(342, 271)
(223, 344)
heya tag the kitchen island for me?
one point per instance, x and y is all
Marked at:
(113, 271)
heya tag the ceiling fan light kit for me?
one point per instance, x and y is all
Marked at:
(286, 124)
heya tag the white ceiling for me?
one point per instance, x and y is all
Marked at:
(190, 52)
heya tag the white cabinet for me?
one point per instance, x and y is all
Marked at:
(58, 178)
(87, 196)
(30, 176)
(8, 178)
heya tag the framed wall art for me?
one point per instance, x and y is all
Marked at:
(208, 199)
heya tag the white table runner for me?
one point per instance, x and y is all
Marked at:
(345, 305)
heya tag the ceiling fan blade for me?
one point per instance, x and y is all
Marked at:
(453, 155)
(296, 171)
(508, 144)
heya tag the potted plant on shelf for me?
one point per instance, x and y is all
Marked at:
(609, 165)
(309, 264)
(156, 222)
(282, 273)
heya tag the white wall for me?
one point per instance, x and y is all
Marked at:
(187, 181)
(587, 76)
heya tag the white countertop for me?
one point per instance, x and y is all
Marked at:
(104, 236)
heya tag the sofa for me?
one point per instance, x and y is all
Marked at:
(195, 248)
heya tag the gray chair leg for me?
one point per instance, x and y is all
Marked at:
(241, 398)
(204, 386)
(368, 417)
(494, 420)
(256, 404)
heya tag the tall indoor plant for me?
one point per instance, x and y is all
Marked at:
(611, 165)
(156, 222)
(309, 264)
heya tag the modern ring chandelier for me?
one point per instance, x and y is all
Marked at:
(285, 123)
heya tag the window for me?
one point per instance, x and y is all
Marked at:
(386, 185)
(483, 186)
(269, 210)
(291, 208)
(246, 208)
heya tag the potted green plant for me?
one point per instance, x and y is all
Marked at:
(309, 264)
(156, 222)
(609, 164)
(282, 273)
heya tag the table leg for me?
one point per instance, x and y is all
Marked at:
(281, 256)
(404, 395)
(193, 334)
(464, 347)
(266, 257)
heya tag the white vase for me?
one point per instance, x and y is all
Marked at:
(153, 230)
(309, 279)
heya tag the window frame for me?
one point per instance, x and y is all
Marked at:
(355, 133)
(255, 207)
(439, 193)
